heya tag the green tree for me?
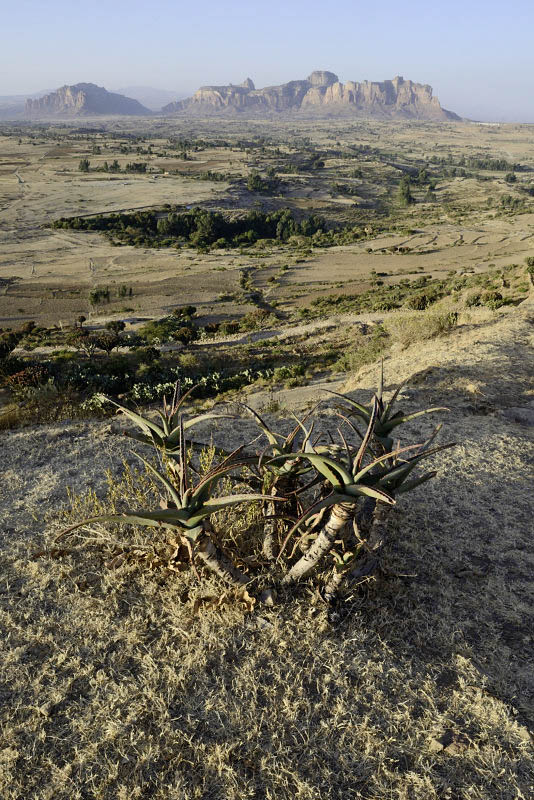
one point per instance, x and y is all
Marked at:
(405, 196)
(84, 165)
(115, 326)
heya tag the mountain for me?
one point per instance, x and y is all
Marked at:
(12, 105)
(83, 99)
(150, 97)
(321, 93)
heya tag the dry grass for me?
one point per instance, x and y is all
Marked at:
(409, 328)
(420, 689)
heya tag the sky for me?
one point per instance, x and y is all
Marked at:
(478, 55)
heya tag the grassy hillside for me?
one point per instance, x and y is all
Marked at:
(119, 683)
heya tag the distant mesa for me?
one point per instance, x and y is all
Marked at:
(83, 99)
(321, 93)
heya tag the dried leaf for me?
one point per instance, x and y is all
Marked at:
(211, 602)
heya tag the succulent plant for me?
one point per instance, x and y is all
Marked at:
(387, 420)
(165, 437)
(188, 508)
(349, 481)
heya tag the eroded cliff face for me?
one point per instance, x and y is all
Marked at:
(83, 98)
(322, 92)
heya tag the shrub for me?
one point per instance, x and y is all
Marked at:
(28, 378)
(8, 342)
(407, 329)
(492, 299)
(229, 328)
(473, 299)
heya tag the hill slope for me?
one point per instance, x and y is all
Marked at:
(423, 689)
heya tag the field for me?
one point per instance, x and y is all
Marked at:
(47, 273)
(124, 679)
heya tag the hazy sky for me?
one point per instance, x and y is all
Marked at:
(477, 54)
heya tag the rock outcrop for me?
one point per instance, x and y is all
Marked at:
(83, 99)
(322, 93)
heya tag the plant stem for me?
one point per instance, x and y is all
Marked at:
(340, 514)
(333, 586)
(214, 558)
(270, 529)
(375, 543)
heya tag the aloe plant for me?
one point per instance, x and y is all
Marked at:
(387, 420)
(392, 476)
(350, 481)
(188, 509)
(166, 436)
(281, 479)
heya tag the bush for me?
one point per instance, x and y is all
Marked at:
(472, 299)
(418, 302)
(492, 299)
(229, 328)
(407, 329)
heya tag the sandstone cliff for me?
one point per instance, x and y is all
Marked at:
(83, 99)
(323, 93)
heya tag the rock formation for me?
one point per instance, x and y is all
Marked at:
(322, 93)
(83, 99)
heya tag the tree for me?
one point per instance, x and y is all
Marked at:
(81, 319)
(84, 165)
(115, 326)
(8, 342)
(107, 340)
(405, 195)
(82, 341)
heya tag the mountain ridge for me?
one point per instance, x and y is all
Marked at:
(83, 99)
(322, 91)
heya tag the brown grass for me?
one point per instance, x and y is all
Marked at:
(421, 688)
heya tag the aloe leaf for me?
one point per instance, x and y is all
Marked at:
(363, 411)
(291, 438)
(406, 467)
(177, 403)
(218, 503)
(367, 436)
(432, 436)
(168, 485)
(359, 475)
(164, 422)
(273, 438)
(140, 437)
(368, 491)
(347, 449)
(380, 391)
(326, 466)
(174, 436)
(332, 470)
(146, 424)
(409, 485)
(203, 488)
(307, 447)
(391, 402)
(388, 426)
(166, 518)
